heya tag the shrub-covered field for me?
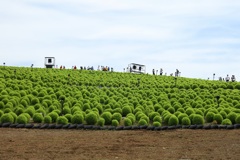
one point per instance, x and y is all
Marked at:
(53, 96)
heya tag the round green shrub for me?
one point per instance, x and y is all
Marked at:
(101, 121)
(117, 110)
(209, 117)
(19, 110)
(54, 116)
(131, 117)
(181, 116)
(86, 106)
(189, 111)
(126, 110)
(108, 117)
(173, 120)
(145, 117)
(226, 122)
(223, 114)
(142, 122)
(156, 124)
(7, 110)
(47, 119)
(62, 120)
(218, 118)
(166, 118)
(69, 117)
(7, 117)
(35, 101)
(14, 116)
(91, 118)
(37, 118)
(237, 120)
(77, 119)
(27, 116)
(171, 110)
(115, 122)
(30, 110)
(127, 122)
(117, 116)
(157, 119)
(186, 121)
(197, 119)
(232, 116)
(153, 114)
(66, 110)
(21, 119)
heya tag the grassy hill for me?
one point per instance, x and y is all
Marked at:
(37, 95)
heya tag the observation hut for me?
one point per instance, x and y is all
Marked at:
(136, 68)
(49, 62)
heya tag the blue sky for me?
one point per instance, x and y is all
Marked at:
(199, 37)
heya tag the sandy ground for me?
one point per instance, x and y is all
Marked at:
(179, 144)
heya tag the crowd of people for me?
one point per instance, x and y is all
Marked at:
(177, 72)
(227, 79)
(154, 72)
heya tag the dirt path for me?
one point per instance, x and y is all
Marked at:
(103, 145)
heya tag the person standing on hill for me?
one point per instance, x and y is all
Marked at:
(153, 72)
(161, 71)
(227, 78)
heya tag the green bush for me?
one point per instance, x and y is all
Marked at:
(167, 117)
(218, 118)
(77, 119)
(115, 122)
(86, 106)
(142, 122)
(27, 116)
(237, 120)
(30, 110)
(181, 116)
(186, 121)
(226, 122)
(171, 110)
(145, 117)
(54, 116)
(223, 114)
(156, 124)
(7, 117)
(21, 119)
(14, 116)
(197, 119)
(232, 116)
(62, 120)
(153, 114)
(131, 117)
(35, 101)
(7, 110)
(173, 120)
(47, 119)
(117, 116)
(126, 110)
(91, 118)
(66, 110)
(189, 111)
(108, 117)
(19, 111)
(101, 121)
(157, 119)
(127, 122)
(37, 118)
(68, 116)
(209, 117)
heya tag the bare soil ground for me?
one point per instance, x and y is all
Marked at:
(133, 145)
